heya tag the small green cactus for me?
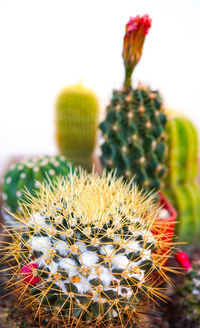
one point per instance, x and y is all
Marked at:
(133, 130)
(77, 110)
(181, 186)
(28, 174)
(188, 292)
(86, 253)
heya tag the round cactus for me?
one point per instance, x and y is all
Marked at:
(86, 253)
(28, 174)
(77, 111)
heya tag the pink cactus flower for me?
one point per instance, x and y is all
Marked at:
(30, 275)
(183, 259)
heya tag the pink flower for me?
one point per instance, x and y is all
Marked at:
(136, 31)
(183, 259)
(30, 274)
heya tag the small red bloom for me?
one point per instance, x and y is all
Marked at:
(30, 276)
(183, 259)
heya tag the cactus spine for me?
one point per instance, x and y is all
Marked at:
(77, 111)
(86, 254)
(28, 174)
(133, 130)
(181, 186)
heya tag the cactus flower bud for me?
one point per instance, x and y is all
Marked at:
(30, 276)
(183, 259)
(136, 31)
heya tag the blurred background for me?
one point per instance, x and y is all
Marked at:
(49, 44)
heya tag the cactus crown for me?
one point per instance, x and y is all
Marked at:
(87, 253)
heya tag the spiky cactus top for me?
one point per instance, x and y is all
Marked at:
(29, 173)
(86, 253)
(133, 130)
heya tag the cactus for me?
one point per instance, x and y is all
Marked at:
(29, 173)
(86, 254)
(133, 130)
(186, 199)
(181, 187)
(182, 155)
(76, 124)
(188, 293)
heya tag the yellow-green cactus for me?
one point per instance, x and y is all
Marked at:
(77, 111)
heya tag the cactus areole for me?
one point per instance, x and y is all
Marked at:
(86, 253)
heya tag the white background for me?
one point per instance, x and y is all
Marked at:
(48, 44)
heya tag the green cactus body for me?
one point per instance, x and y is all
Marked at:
(133, 130)
(87, 254)
(29, 174)
(182, 163)
(134, 136)
(77, 111)
(186, 199)
(188, 297)
(182, 156)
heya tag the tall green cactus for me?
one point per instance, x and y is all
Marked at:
(133, 130)
(77, 111)
(181, 187)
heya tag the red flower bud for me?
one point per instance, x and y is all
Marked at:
(136, 30)
(30, 276)
(183, 259)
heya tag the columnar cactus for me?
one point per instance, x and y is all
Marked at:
(86, 254)
(182, 155)
(133, 130)
(29, 173)
(181, 186)
(77, 110)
